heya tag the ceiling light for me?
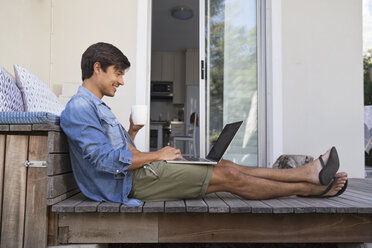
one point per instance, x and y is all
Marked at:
(182, 13)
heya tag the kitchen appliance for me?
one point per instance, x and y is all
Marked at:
(161, 89)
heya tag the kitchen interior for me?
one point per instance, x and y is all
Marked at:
(174, 74)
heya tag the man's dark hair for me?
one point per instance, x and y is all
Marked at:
(104, 53)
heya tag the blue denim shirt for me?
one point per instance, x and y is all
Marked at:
(99, 152)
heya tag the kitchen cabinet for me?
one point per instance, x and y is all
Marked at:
(192, 67)
(162, 66)
(170, 66)
(179, 78)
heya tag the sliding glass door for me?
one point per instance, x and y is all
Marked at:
(231, 86)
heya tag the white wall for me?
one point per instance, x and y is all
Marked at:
(48, 37)
(322, 79)
(80, 23)
(25, 36)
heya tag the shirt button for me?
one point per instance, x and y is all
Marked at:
(117, 171)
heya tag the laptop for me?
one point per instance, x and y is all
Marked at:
(215, 154)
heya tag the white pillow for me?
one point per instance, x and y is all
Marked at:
(10, 95)
(37, 97)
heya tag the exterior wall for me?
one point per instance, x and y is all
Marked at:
(322, 79)
(25, 36)
(48, 37)
(80, 23)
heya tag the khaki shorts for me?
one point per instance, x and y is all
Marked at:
(161, 181)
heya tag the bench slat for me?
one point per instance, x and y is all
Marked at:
(57, 142)
(69, 204)
(21, 128)
(4, 128)
(215, 204)
(46, 127)
(87, 205)
(60, 184)
(153, 207)
(129, 209)
(108, 207)
(58, 163)
(236, 205)
(196, 206)
(175, 207)
(55, 200)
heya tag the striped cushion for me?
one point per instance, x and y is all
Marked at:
(28, 118)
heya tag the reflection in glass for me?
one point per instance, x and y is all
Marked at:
(232, 37)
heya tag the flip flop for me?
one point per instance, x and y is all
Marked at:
(326, 191)
(329, 170)
(342, 190)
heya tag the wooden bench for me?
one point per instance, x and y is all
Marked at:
(42, 205)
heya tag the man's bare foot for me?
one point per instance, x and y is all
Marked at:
(338, 185)
(315, 167)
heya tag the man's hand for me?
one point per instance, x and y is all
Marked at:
(169, 153)
(132, 127)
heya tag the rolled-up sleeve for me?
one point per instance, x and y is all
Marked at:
(83, 127)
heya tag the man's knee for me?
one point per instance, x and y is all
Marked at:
(229, 173)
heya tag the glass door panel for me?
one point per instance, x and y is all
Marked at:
(232, 78)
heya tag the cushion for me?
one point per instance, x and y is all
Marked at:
(37, 97)
(28, 118)
(10, 95)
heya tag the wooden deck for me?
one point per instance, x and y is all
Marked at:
(221, 217)
(356, 199)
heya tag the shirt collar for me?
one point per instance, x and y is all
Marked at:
(85, 92)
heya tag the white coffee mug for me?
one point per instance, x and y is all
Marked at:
(139, 114)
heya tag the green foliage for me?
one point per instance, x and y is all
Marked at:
(367, 66)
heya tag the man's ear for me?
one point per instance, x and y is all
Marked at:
(97, 67)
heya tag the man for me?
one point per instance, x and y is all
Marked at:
(108, 167)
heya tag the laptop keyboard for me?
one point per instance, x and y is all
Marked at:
(196, 159)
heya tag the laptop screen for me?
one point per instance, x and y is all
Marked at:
(223, 141)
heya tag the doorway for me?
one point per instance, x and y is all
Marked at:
(174, 74)
(214, 64)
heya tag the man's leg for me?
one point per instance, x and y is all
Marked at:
(230, 179)
(306, 173)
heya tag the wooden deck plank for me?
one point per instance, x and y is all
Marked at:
(131, 209)
(278, 206)
(175, 207)
(215, 204)
(14, 196)
(109, 207)
(236, 204)
(153, 207)
(298, 206)
(359, 195)
(322, 205)
(69, 204)
(36, 207)
(354, 206)
(87, 205)
(196, 206)
(258, 207)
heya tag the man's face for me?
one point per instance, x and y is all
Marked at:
(110, 80)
